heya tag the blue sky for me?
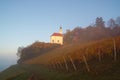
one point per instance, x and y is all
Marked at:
(24, 21)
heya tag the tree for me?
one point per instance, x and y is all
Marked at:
(35, 49)
(68, 36)
(99, 22)
(19, 51)
(118, 21)
(111, 23)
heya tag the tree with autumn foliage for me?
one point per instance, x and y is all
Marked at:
(94, 32)
(35, 49)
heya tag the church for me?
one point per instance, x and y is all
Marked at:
(57, 37)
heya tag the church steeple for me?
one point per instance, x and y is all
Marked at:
(60, 30)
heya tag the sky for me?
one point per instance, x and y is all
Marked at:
(23, 22)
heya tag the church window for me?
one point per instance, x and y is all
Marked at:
(53, 41)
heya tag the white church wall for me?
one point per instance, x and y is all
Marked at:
(56, 39)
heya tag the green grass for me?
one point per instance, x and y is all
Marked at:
(15, 72)
(23, 72)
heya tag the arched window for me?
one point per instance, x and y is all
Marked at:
(53, 41)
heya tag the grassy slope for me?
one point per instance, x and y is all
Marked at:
(12, 72)
(23, 72)
(108, 70)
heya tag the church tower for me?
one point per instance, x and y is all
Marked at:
(60, 30)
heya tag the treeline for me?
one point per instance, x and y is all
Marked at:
(99, 30)
(35, 49)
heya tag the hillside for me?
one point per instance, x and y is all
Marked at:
(24, 72)
(98, 60)
(104, 47)
(85, 57)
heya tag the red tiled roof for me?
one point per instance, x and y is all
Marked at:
(56, 34)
